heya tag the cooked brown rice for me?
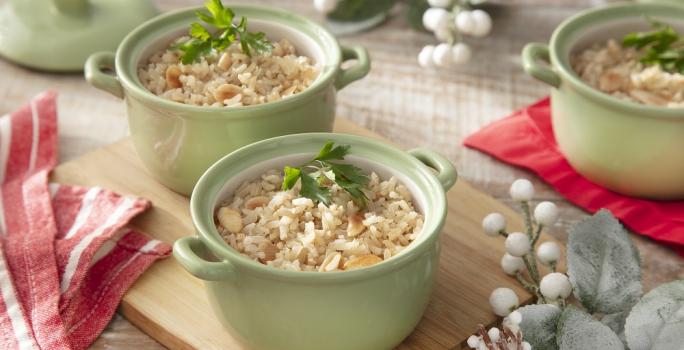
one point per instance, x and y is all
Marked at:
(617, 71)
(229, 78)
(286, 231)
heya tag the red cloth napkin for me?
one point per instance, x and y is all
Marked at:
(66, 257)
(525, 139)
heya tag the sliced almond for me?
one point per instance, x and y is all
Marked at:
(362, 261)
(226, 91)
(331, 262)
(225, 61)
(269, 250)
(173, 77)
(256, 202)
(230, 219)
(355, 225)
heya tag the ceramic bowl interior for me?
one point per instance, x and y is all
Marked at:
(384, 172)
(613, 29)
(304, 44)
(309, 38)
(222, 179)
(595, 26)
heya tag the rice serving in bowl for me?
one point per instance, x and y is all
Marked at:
(229, 78)
(286, 231)
(617, 71)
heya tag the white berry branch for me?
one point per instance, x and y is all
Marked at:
(450, 21)
(520, 260)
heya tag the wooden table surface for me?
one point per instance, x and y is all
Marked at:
(410, 105)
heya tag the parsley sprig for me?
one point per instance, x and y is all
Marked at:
(202, 42)
(317, 174)
(663, 46)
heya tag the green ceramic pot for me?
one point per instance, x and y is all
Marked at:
(265, 308)
(630, 148)
(59, 35)
(178, 142)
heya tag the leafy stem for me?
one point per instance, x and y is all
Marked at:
(662, 44)
(537, 234)
(317, 174)
(531, 266)
(221, 18)
(527, 217)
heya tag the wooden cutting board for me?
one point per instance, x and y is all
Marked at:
(170, 305)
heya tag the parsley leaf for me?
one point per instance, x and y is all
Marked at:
(317, 175)
(662, 45)
(311, 188)
(291, 177)
(330, 153)
(202, 41)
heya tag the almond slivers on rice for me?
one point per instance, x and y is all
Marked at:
(229, 78)
(617, 71)
(283, 230)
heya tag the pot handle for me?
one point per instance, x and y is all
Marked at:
(185, 252)
(446, 172)
(99, 79)
(531, 55)
(356, 72)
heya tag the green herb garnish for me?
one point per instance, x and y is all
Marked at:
(663, 46)
(317, 174)
(202, 42)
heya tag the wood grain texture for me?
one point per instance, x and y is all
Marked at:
(169, 304)
(399, 100)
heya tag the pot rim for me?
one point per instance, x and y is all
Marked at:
(588, 18)
(129, 79)
(207, 187)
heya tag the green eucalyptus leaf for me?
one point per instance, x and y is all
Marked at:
(539, 325)
(603, 265)
(577, 330)
(657, 321)
(616, 322)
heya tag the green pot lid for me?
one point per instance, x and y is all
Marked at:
(59, 35)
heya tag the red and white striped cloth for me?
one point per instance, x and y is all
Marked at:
(66, 257)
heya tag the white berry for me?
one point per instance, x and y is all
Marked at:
(443, 34)
(546, 213)
(511, 265)
(526, 346)
(517, 244)
(473, 341)
(439, 3)
(434, 18)
(512, 321)
(442, 55)
(555, 285)
(494, 334)
(465, 22)
(494, 223)
(548, 253)
(503, 301)
(425, 56)
(522, 190)
(515, 317)
(461, 53)
(483, 23)
(325, 6)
